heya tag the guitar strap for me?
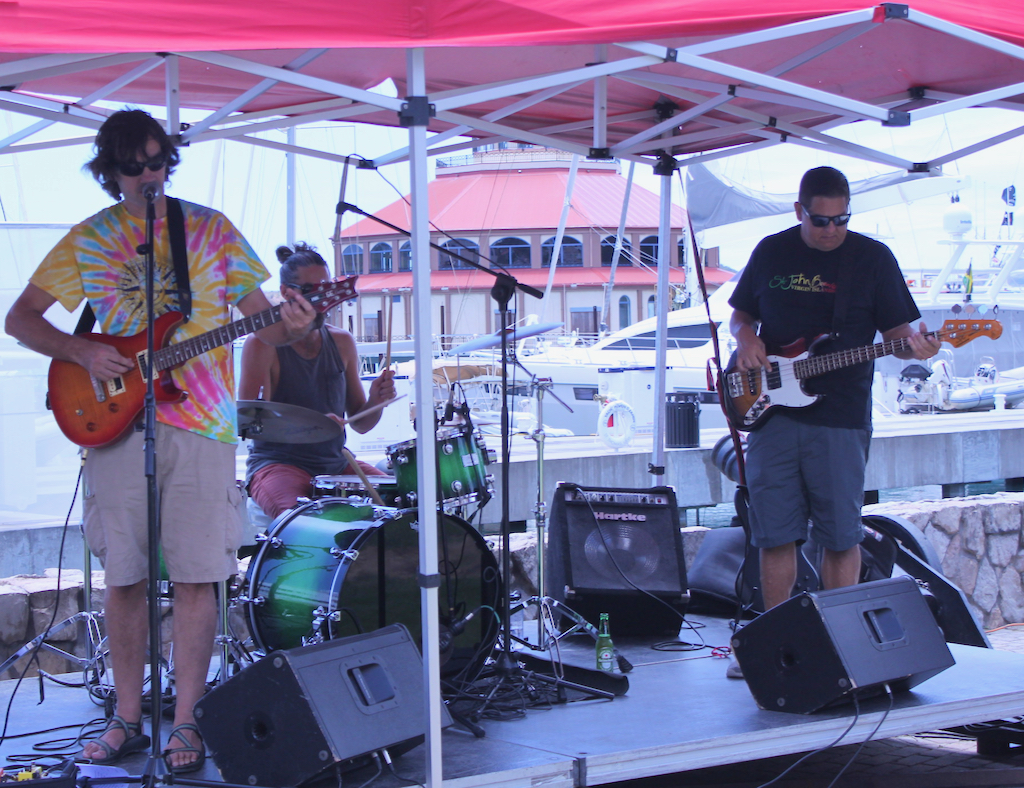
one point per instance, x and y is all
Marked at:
(844, 282)
(179, 255)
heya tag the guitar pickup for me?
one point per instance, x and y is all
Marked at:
(115, 386)
(773, 377)
(140, 359)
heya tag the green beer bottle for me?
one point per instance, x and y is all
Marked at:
(605, 647)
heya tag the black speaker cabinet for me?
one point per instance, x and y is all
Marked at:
(295, 713)
(619, 552)
(818, 648)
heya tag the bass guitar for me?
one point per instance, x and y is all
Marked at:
(94, 413)
(751, 397)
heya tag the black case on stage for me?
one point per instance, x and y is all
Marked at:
(297, 712)
(818, 648)
(618, 551)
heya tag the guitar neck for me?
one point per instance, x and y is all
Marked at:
(819, 365)
(180, 352)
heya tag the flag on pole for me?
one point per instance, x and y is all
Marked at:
(969, 282)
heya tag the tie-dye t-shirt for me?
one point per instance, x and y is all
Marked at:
(98, 260)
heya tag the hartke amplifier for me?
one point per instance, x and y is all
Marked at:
(297, 712)
(818, 648)
(618, 551)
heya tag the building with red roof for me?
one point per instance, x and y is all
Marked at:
(501, 207)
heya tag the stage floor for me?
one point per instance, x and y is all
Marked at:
(681, 713)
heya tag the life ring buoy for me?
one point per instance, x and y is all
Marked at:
(616, 424)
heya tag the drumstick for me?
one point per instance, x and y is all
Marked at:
(362, 476)
(391, 314)
(373, 409)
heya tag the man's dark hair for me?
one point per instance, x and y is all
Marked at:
(292, 260)
(823, 182)
(121, 138)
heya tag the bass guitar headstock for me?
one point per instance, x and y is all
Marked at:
(960, 332)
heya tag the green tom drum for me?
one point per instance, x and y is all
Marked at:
(462, 459)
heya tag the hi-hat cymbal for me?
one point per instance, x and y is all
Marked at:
(283, 423)
(494, 340)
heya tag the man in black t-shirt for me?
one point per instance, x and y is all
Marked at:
(807, 464)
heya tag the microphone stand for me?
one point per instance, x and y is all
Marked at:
(156, 769)
(155, 772)
(506, 666)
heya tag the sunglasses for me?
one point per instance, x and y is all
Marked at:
(134, 168)
(823, 221)
(305, 289)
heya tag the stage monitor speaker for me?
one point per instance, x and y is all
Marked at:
(819, 648)
(618, 551)
(295, 713)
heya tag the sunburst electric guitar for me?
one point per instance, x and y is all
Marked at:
(94, 413)
(750, 398)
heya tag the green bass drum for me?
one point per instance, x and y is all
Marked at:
(335, 567)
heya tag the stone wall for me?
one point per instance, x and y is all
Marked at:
(978, 540)
(27, 609)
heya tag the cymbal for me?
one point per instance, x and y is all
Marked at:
(283, 423)
(494, 340)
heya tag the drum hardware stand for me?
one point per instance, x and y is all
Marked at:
(545, 604)
(504, 287)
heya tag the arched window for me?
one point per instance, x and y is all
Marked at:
(405, 256)
(352, 259)
(652, 306)
(608, 249)
(649, 251)
(462, 247)
(624, 312)
(510, 253)
(380, 258)
(571, 253)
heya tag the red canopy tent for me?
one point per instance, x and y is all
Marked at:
(667, 82)
(590, 77)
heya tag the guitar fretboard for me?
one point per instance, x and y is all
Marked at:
(328, 295)
(819, 365)
(180, 352)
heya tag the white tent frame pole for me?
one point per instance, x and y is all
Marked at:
(252, 93)
(662, 303)
(295, 78)
(172, 84)
(58, 65)
(559, 235)
(498, 114)
(959, 154)
(425, 433)
(617, 250)
(286, 148)
(290, 189)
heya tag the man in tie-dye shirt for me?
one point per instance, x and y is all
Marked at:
(98, 260)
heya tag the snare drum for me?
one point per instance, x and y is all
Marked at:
(351, 486)
(462, 457)
(334, 567)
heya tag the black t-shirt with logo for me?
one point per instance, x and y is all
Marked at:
(791, 290)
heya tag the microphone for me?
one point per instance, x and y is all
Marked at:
(347, 206)
(446, 638)
(449, 409)
(150, 191)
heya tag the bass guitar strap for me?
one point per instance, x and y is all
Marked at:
(179, 256)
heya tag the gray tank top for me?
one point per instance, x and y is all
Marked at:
(318, 384)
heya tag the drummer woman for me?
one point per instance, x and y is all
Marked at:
(319, 372)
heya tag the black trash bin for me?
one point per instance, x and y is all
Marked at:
(682, 420)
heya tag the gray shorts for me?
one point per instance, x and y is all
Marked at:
(200, 508)
(800, 472)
